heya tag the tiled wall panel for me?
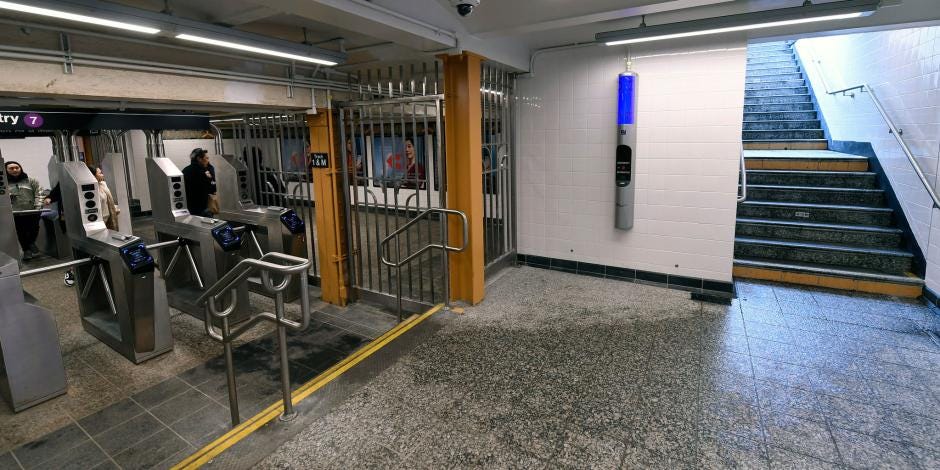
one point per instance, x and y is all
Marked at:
(903, 67)
(689, 140)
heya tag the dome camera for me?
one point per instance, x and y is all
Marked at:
(465, 7)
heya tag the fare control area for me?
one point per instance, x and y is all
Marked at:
(121, 298)
(267, 228)
(206, 249)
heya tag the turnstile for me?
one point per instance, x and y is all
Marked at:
(270, 228)
(121, 300)
(31, 368)
(207, 249)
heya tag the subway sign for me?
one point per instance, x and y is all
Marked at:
(37, 123)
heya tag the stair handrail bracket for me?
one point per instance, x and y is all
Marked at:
(892, 128)
(443, 245)
(276, 270)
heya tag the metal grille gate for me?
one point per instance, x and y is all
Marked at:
(276, 148)
(498, 167)
(393, 162)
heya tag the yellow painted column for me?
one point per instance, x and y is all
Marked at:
(464, 160)
(330, 214)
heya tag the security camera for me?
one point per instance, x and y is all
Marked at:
(465, 7)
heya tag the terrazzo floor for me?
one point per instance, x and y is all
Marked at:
(555, 370)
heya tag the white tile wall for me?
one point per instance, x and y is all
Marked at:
(690, 107)
(903, 67)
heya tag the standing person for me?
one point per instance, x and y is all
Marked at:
(199, 180)
(26, 195)
(110, 210)
(414, 172)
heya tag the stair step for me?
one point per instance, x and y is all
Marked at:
(817, 213)
(805, 134)
(761, 66)
(781, 125)
(833, 277)
(773, 77)
(780, 60)
(857, 235)
(769, 56)
(790, 144)
(889, 261)
(831, 179)
(801, 160)
(778, 99)
(773, 84)
(761, 46)
(779, 107)
(780, 116)
(817, 195)
(789, 91)
(771, 71)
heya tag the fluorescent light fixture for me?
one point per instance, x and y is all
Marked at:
(256, 50)
(19, 7)
(809, 13)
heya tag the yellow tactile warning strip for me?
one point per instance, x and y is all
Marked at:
(801, 164)
(831, 282)
(246, 428)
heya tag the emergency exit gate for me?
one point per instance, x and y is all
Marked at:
(392, 140)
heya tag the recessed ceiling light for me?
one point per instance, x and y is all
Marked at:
(257, 50)
(808, 13)
(76, 17)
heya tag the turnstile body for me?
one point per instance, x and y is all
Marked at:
(31, 368)
(274, 228)
(121, 299)
(209, 247)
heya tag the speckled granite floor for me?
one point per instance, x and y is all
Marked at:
(559, 370)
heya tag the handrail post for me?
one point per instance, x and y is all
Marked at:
(446, 259)
(229, 372)
(289, 413)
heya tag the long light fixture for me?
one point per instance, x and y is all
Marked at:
(256, 50)
(808, 13)
(19, 7)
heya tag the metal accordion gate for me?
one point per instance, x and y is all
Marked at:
(499, 231)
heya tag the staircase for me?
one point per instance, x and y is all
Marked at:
(813, 216)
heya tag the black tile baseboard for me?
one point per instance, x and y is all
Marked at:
(701, 289)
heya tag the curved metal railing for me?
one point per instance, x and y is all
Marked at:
(398, 263)
(276, 271)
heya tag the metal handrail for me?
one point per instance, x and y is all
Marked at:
(892, 129)
(270, 265)
(743, 170)
(441, 246)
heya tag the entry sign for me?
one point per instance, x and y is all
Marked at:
(319, 160)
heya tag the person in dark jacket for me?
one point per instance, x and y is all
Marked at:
(199, 180)
(55, 197)
(25, 195)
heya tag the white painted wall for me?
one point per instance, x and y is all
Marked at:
(691, 98)
(33, 153)
(903, 67)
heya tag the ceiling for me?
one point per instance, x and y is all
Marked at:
(378, 33)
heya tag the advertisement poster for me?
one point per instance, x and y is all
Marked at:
(400, 162)
(294, 157)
